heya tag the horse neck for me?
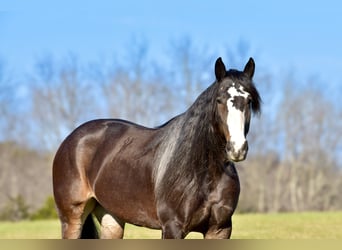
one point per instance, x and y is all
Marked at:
(201, 147)
(206, 143)
(194, 153)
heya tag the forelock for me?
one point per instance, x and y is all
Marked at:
(240, 79)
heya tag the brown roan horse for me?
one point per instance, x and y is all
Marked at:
(178, 177)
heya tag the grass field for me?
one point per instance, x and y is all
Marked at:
(327, 225)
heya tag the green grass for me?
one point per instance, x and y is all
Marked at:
(309, 225)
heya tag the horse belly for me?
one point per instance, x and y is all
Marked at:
(125, 190)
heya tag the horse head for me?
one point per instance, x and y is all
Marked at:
(236, 99)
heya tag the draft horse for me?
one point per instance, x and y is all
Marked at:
(178, 177)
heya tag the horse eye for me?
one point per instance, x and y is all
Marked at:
(220, 100)
(222, 97)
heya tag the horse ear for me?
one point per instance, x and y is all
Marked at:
(220, 69)
(249, 68)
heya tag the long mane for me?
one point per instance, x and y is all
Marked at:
(196, 147)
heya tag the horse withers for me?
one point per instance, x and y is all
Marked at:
(178, 177)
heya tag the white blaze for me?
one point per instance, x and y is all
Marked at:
(236, 119)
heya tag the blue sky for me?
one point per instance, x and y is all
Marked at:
(283, 35)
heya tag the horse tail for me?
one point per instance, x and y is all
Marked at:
(89, 230)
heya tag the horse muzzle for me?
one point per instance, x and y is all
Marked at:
(237, 153)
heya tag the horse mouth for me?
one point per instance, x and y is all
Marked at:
(240, 155)
(237, 157)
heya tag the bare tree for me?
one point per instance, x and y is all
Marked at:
(8, 113)
(24, 173)
(61, 100)
(294, 164)
(191, 69)
(309, 126)
(132, 91)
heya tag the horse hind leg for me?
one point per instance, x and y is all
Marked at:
(73, 217)
(71, 228)
(111, 226)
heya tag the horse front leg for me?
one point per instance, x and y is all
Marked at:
(219, 232)
(172, 230)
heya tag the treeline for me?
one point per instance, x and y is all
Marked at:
(294, 163)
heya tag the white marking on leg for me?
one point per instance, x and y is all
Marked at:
(110, 228)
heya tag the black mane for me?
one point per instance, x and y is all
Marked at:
(198, 147)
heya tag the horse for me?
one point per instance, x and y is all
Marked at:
(179, 177)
